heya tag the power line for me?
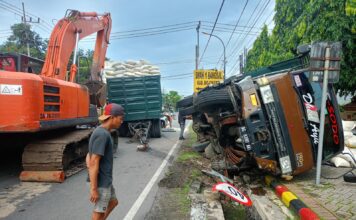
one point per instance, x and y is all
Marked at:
(161, 28)
(150, 32)
(232, 25)
(144, 35)
(177, 78)
(178, 62)
(212, 31)
(17, 12)
(11, 10)
(49, 26)
(158, 27)
(230, 30)
(238, 20)
(178, 75)
(250, 43)
(139, 33)
(249, 19)
(5, 31)
(259, 13)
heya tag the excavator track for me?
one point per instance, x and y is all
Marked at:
(57, 156)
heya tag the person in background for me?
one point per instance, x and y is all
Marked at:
(169, 118)
(181, 121)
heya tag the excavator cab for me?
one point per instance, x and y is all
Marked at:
(16, 62)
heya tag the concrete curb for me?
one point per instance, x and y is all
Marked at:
(204, 205)
(267, 207)
(290, 200)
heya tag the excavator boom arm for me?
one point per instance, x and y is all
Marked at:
(64, 38)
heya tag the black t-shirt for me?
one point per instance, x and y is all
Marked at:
(100, 143)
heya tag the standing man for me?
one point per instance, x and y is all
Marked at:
(99, 161)
(181, 121)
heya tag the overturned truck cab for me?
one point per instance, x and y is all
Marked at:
(270, 120)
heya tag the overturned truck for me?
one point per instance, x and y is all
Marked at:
(268, 118)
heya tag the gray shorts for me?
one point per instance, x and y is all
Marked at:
(105, 196)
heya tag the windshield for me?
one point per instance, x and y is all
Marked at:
(7, 63)
(311, 95)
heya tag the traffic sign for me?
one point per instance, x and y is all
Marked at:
(318, 59)
(233, 193)
(204, 78)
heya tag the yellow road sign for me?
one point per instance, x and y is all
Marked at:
(204, 78)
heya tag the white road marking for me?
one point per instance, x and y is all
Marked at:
(135, 207)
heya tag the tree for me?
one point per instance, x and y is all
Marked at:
(84, 62)
(304, 21)
(17, 42)
(170, 100)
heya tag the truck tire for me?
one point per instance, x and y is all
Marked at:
(163, 124)
(200, 147)
(209, 152)
(124, 130)
(206, 100)
(115, 138)
(187, 111)
(156, 129)
(187, 101)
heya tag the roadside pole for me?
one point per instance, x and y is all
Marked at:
(322, 115)
(324, 67)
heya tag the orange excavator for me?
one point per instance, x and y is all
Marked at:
(51, 105)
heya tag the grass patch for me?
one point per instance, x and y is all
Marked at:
(326, 186)
(169, 173)
(185, 157)
(184, 167)
(292, 218)
(182, 198)
(188, 155)
(233, 212)
(196, 173)
(192, 137)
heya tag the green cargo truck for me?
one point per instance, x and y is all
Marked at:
(142, 99)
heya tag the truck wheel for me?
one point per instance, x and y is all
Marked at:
(213, 97)
(187, 111)
(163, 124)
(187, 101)
(156, 129)
(115, 138)
(200, 147)
(124, 130)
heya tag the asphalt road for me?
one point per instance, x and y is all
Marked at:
(133, 171)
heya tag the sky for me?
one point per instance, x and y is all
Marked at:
(169, 36)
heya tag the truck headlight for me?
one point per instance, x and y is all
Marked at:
(266, 93)
(286, 165)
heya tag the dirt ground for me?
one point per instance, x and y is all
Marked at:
(172, 200)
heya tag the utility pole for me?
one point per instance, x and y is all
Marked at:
(245, 57)
(197, 47)
(222, 42)
(241, 58)
(25, 21)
